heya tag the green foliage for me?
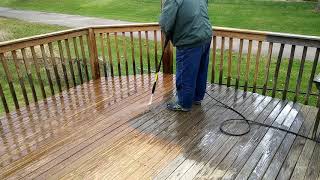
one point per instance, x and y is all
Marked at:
(291, 17)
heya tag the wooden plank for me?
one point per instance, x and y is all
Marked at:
(84, 58)
(221, 163)
(110, 54)
(284, 94)
(248, 66)
(221, 60)
(101, 134)
(117, 52)
(250, 147)
(278, 154)
(287, 161)
(45, 59)
(267, 69)
(158, 149)
(230, 61)
(313, 170)
(217, 153)
(154, 155)
(214, 56)
(20, 76)
(66, 42)
(126, 28)
(76, 52)
(63, 64)
(155, 39)
(239, 35)
(3, 100)
(103, 55)
(133, 54)
(182, 161)
(30, 79)
(276, 72)
(125, 52)
(313, 71)
(299, 79)
(270, 141)
(239, 63)
(148, 51)
(9, 79)
(140, 48)
(36, 64)
(55, 68)
(256, 73)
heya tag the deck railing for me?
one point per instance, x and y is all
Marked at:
(42, 66)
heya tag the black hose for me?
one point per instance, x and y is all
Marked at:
(249, 122)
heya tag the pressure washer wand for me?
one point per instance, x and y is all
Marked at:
(157, 71)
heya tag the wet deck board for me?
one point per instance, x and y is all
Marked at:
(104, 130)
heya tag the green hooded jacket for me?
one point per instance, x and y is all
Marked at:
(186, 22)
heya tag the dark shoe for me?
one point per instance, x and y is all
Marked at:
(197, 102)
(176, 107)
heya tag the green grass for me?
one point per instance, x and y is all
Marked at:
(13, 29)
(293, 17)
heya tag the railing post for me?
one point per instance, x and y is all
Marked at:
(316, 80)
(94, 61)
(168, 59)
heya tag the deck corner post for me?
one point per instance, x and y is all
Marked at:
(168, 59)
(94, 61)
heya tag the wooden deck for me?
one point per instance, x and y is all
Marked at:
(99, 130)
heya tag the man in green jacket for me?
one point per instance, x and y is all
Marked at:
(187, 24)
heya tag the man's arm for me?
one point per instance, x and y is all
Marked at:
(168, 16)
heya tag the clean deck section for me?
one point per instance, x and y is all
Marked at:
(104, 130)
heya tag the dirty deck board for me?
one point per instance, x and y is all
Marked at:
(99, 130)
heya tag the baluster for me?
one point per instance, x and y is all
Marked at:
(140, 48)
(118, 53)
(66, 42)
(103, 55)
(28, 70)
(276, 73)
(35, 62)
(63, 63)
(214, 51)
(257, 67)
(78, 58)
(132, 54)
(221, 61)
(44, 57)
(267, 69)
(313, 71)
(148, 51)
(230, 61)
(125, 52)
(239, 63)
(83, 53)
(155, 49)
(20, 76)
(4, 101)
(303, 59)
(55, 69)
(9, 79)
(248, 65)
(285, 90)
(110, 54)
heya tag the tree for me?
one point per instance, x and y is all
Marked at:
(318, 6)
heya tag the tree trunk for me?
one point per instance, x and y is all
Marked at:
(318, 6)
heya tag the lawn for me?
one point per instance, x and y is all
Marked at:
(291, 17)
(13, 29)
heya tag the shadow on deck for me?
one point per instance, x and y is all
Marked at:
(104, 129)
